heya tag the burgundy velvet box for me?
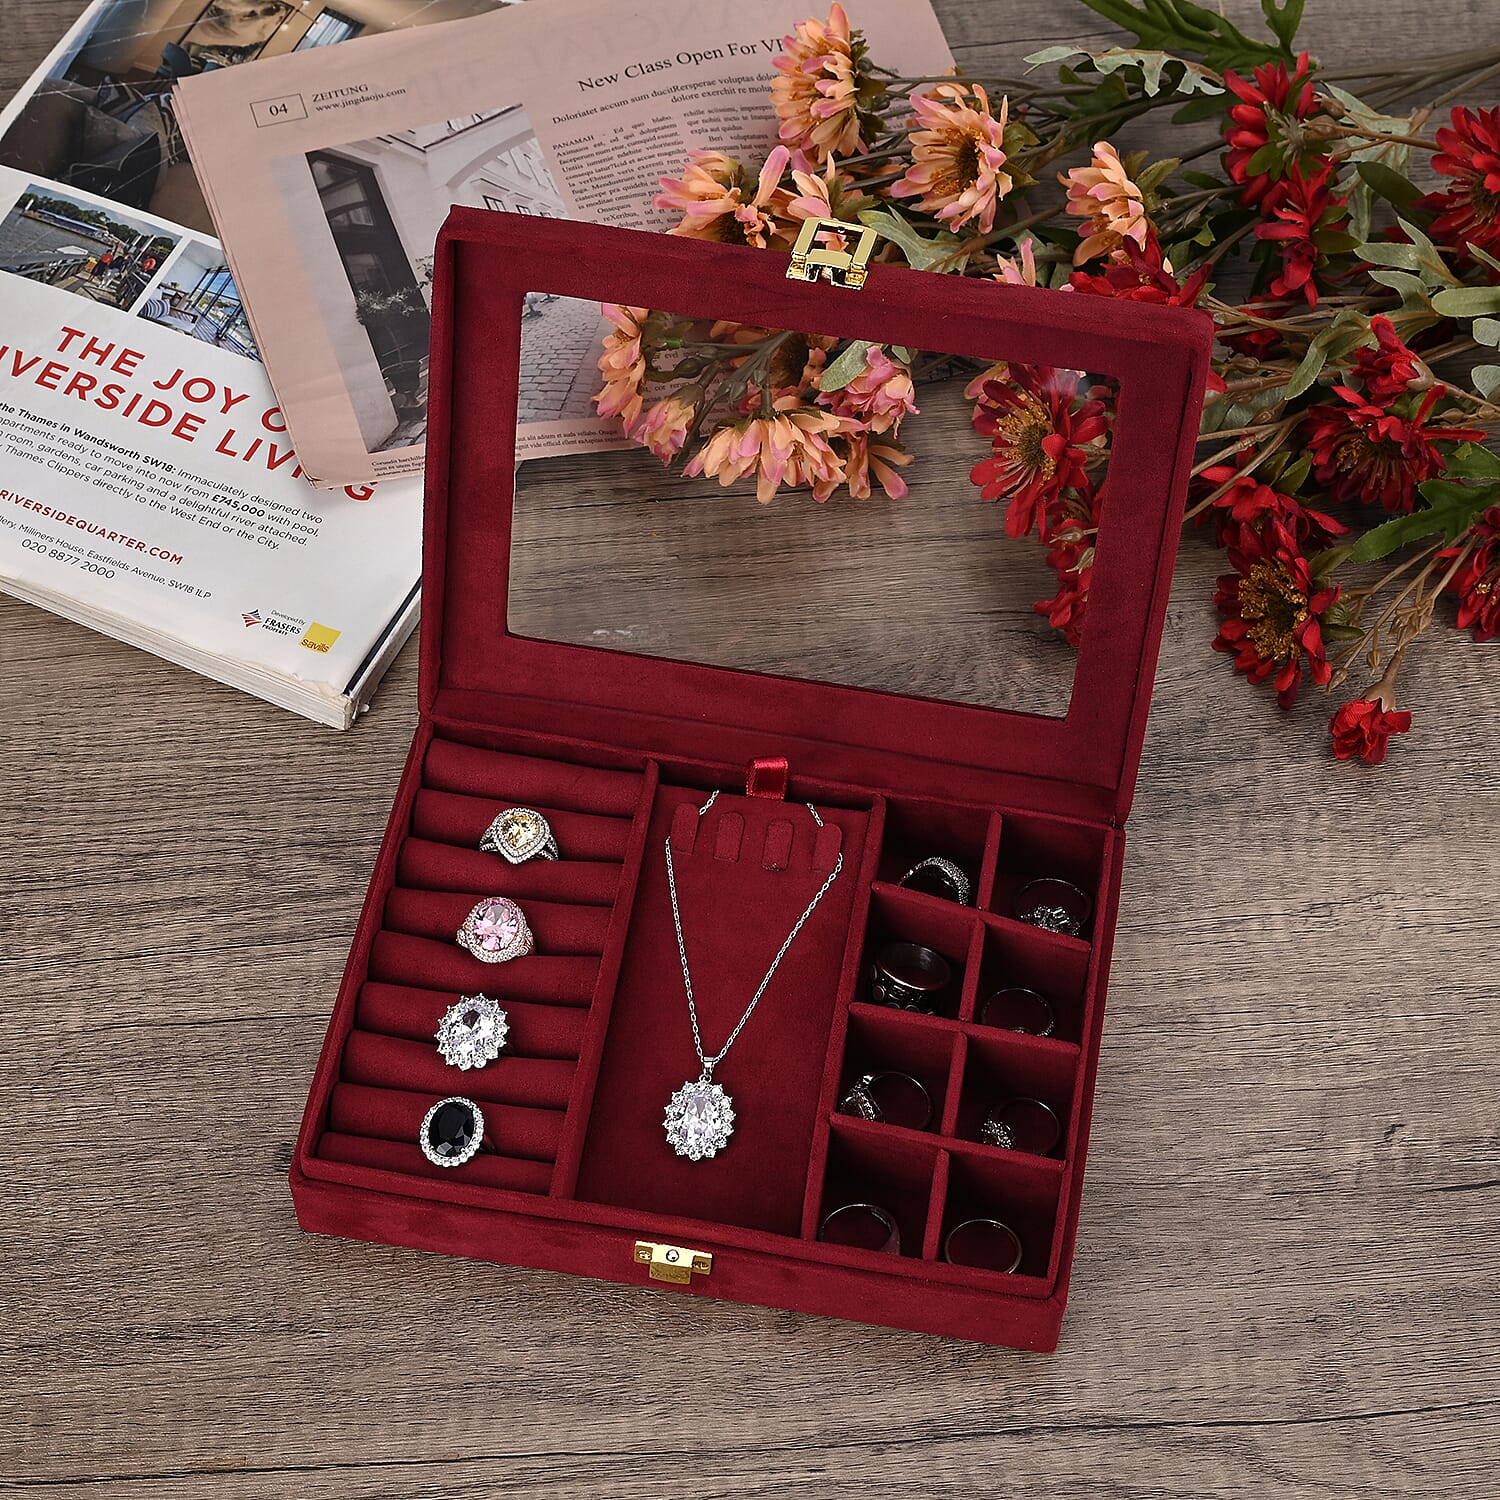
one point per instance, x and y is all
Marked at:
(617, 750)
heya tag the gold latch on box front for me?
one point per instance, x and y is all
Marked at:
(840, 266)
(674, 1263)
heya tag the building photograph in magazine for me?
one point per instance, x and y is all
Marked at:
(364, 215)
(102, 118)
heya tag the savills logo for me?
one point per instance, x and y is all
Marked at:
(253, 618)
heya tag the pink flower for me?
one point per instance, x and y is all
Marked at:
(665, 427)
(866, 457)
(623, 365)
(1103, 193)
(710, 195)
(816, 93)
(790, 447)
(957, 156)
(878, 397)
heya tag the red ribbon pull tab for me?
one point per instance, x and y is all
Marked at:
(768, 776)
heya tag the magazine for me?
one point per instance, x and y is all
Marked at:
(329, 173)
(148, 485)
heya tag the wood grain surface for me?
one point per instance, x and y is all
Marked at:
(1286, 1279)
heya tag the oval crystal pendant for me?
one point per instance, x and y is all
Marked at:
(700, 1119)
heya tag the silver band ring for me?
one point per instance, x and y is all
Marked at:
(938, 876)
(985, 1244)
(1015, 1008)
(1054, 905)
(861, 1100)
(496, 931)
(1022, 1124)
(520, 833)
(862, 1226)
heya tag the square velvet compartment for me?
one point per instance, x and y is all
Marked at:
(619, 753)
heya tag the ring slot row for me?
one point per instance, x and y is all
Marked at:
(390, 1072)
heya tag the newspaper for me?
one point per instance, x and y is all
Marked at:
(148, 485)
(329, 172)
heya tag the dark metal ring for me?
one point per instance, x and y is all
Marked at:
(908, 976)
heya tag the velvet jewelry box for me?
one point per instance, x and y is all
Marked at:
(619, 752)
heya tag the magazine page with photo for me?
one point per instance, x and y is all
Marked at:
(329, 172)
(148, 487)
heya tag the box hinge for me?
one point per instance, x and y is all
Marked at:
(836, 263)
(673, 1263)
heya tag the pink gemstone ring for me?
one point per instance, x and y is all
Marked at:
(496, 931)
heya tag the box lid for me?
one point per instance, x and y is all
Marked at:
(1083, 762)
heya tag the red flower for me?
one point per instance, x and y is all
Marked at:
(1072, 558)
(1250, 506)
(1388, 370)
(1042, 435)
(1477, 582)
(1303, 218)
(1260, 343)
(1272, 610)
(1364, 727)
(1469, 211)
(1144, 278)
(1376, 456)
(1266, 117)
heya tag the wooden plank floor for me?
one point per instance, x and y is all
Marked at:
(1286, 1274)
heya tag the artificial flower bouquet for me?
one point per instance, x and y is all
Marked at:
(1349, 483)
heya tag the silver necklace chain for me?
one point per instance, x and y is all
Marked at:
(710, 1063)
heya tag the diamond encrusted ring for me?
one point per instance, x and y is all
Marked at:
(452, 1131)
(520, 833)
(472, 1033)
(496, 931)
(1054, 905)
(888, 1098)
(937, 876)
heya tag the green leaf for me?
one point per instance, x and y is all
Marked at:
(1467, 301)
(1204, 107)
(936, 254)
(846, 367)
(1391, 253)
(1051, 55)
(1413, 292)
(1283, 20)
(1389, 184)
(1485, 379)
(1480, 253)
(1471, 461)
(1202, 180)
(1486, 331)
(1452, 506)
(1179, 26)
(901, 352)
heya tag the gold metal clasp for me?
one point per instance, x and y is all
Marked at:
(840, 267)
(674, 1263)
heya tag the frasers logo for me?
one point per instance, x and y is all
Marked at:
(252, 619)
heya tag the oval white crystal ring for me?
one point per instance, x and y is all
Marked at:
(520, 833)
(472, 1033)
(496, 931)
